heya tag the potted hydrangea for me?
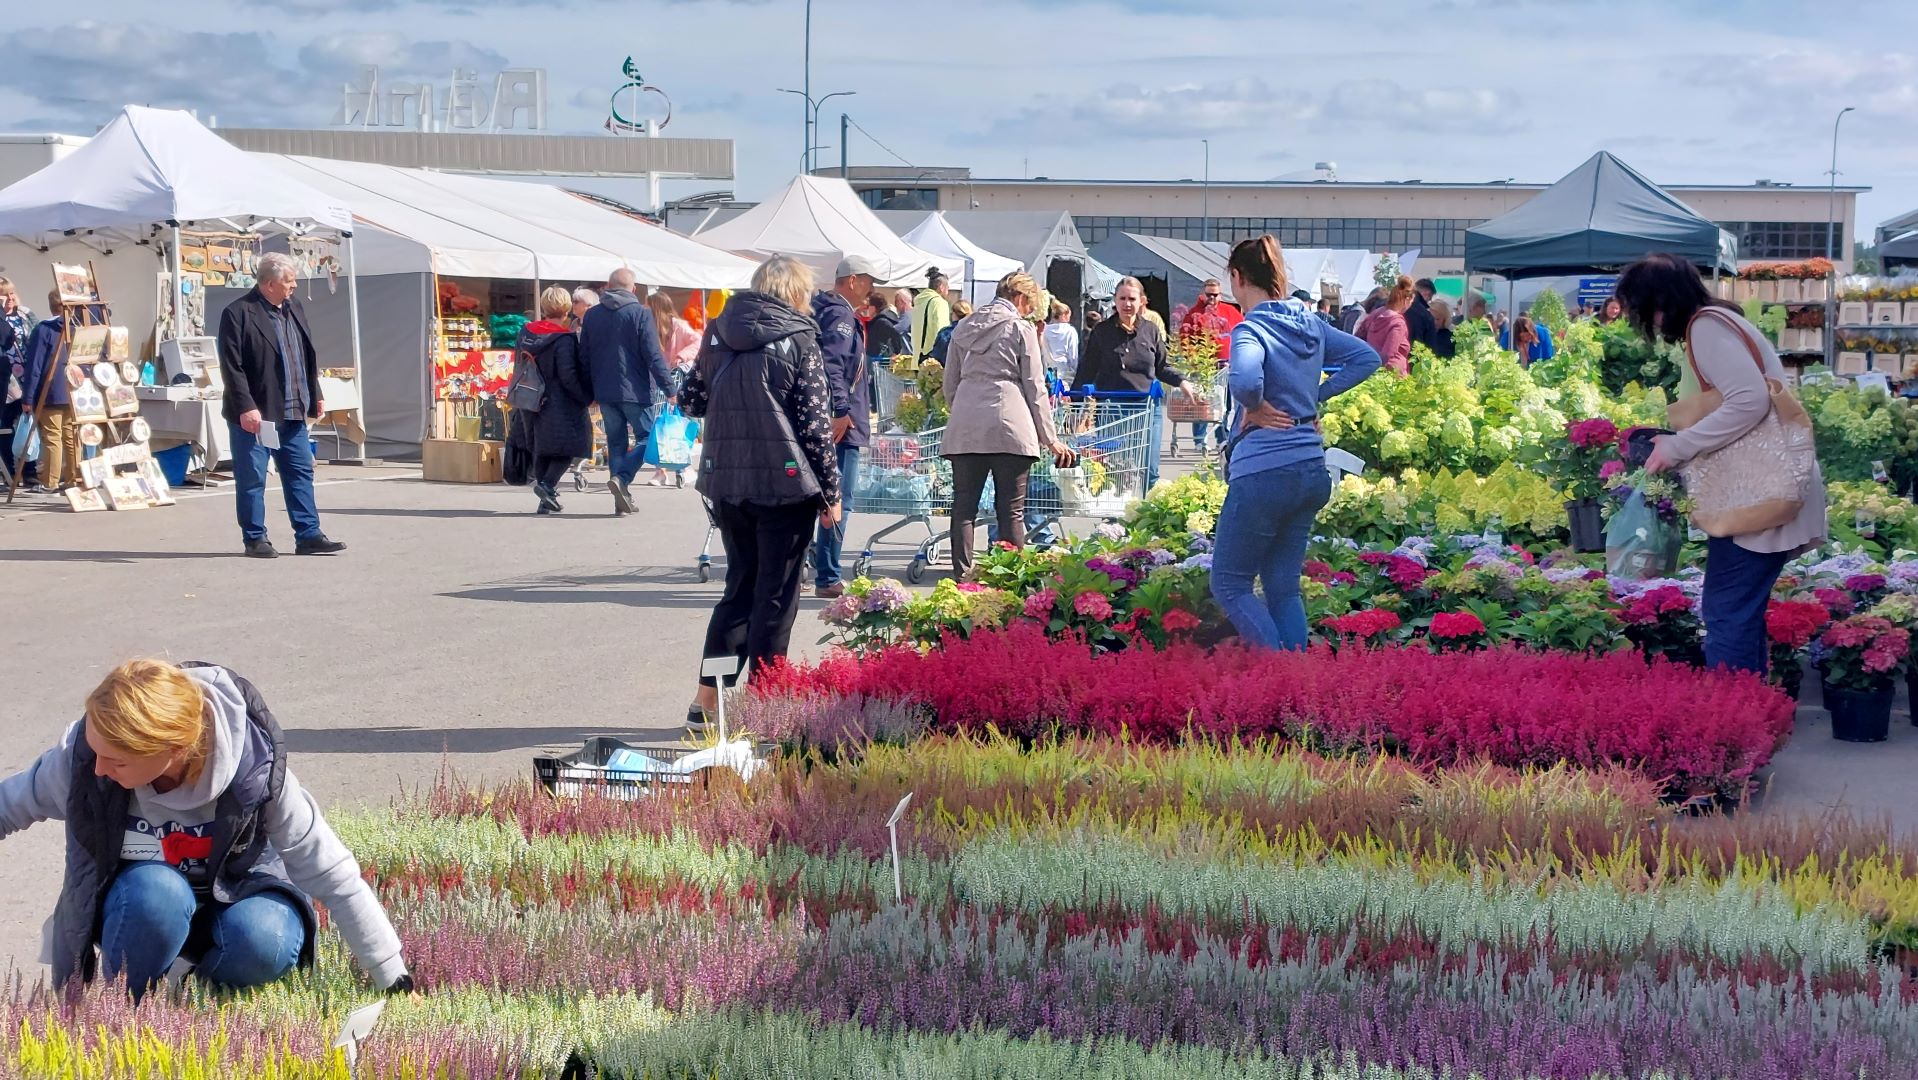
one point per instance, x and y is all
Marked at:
(1861, 658)
(1901, 610)
(1580, 466)
(1791, 625)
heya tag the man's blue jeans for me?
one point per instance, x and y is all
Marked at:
(294, 459)
(1738, 587)
(151, 917)
(625, 454)
(828, 545)
(1263, 531)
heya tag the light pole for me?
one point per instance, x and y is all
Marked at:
(811, 114)
(1205, 195)
(807, 161)
(1831, 239)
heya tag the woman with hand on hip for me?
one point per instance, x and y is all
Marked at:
(1276, 462)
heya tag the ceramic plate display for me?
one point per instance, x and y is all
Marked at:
(91, 435)
(89, 403)
(106, 375)
(129, 373)
(75, 378)
(141, 430)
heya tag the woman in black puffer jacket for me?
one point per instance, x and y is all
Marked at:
(561, 432)
(767, 465)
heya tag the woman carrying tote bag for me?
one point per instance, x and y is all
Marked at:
(1744, 448)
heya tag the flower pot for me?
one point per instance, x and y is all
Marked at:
(1588, 525)
(1911, 694)
(1860, 715)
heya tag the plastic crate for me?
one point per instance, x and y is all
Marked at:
(575, 774)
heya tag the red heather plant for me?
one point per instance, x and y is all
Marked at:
(1699, 731)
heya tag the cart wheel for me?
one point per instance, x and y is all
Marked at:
(916, 570)
(579, 480)
(862, 566)
(679, 479)
(705, 573)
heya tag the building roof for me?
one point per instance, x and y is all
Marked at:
(949, 177)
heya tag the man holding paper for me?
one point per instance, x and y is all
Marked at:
(272, 375)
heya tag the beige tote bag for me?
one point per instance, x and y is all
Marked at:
(1757, 481)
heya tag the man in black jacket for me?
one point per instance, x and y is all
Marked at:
(620, 349)
(272, 375)
(1420, 326)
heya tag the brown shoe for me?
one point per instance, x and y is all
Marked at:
(829, 592)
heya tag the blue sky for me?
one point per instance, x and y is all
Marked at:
(1688, 91)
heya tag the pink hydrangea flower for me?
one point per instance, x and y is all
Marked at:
(1093, 605)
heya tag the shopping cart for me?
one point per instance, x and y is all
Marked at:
(1116, 435)
(888, 388)
(705, 563)
(904, 477)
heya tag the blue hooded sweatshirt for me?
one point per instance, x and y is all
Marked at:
(1279, 354)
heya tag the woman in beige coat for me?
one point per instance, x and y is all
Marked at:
(1001, 414)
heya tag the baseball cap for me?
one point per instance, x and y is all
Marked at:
(853, 265)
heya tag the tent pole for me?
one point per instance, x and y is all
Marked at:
(175, 301)
(353, 324)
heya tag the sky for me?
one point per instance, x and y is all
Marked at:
(1687, 91)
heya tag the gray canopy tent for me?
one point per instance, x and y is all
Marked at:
(1170, 269)
(1601, 216)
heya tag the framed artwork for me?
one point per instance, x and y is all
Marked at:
(127, 493)
(95, 471)
(82, 500)
(194, 259)
(161, 491)
(121, 400)
(120, 347)
(89, 403)
(88, 343)
(76, 283)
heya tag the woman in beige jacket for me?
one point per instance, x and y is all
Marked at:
(1665, 299)
(1001, 414)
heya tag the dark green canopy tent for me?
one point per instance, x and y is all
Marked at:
(1600, 217)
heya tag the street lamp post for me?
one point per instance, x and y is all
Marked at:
(1831, 239)
(1205, 195)
(807, 161)
(811, 115)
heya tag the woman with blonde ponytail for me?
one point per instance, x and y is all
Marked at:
(1276, 460)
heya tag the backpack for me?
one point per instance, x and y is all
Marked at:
(527, 392)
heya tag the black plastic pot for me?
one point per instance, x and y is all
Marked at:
(1911, 694)
(1588, 525)
(1860, 715)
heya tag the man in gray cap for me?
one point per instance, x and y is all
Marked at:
(842, 342)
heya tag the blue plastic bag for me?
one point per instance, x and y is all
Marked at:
(670, 446)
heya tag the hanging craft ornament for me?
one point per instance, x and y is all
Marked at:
(91, 435)
(106, 375)
(129, 372)
(141, 430)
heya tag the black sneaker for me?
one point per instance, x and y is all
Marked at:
(548, 498)
(696, 720)
(261, 549)
(622, 499)
(318, 545)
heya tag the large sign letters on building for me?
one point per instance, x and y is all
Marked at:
(517, 102)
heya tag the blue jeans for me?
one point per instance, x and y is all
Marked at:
(294, 459)
(625, 455)
(1738, 586)
(830, 542)
(1263, 530)
(151, 916)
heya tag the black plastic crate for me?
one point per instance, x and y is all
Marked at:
(574, 774)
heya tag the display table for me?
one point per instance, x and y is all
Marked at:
(342, 419)
(178, 414)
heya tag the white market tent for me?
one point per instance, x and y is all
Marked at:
(983, 268)
(1352, 269)
(820, 220)
(151, 173)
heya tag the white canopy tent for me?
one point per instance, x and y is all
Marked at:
(151, 173)
(983, 268)
(1352, 269)
(820, 220)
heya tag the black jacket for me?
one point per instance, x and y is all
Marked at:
(1114, 359)
(1420, 325)
(561, 428)
(620, 346)
(883, 337)
(250, 358)
(760, 385)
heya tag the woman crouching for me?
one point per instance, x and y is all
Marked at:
(188, 840)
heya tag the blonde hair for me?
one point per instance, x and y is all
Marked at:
(555, 302)
(150, 707)
(1441, 313)
(1017, 284)
(7, 289)
(961, 309)
(785, 278)
(1060, 312)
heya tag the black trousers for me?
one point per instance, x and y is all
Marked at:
(551, 470)
(765, 555)
(969, 472)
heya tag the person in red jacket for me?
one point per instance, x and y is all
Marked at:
(1210, 317)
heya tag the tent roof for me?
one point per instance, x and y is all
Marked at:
(1136, 253)
(1035, 237)
(405, 239)
(937, 235)
(153, 168)
(1600, 216)
(1902, 248)
(819, 220)
(1895, 228)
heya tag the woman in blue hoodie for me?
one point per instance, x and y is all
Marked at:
(1276, 464)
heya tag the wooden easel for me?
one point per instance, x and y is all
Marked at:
(90, 313)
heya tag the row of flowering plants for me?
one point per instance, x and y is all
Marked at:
(1118, 904)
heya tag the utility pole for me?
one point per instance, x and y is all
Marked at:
(1831, 242)
(845, 123)
(805, 158)
(1205, 195)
